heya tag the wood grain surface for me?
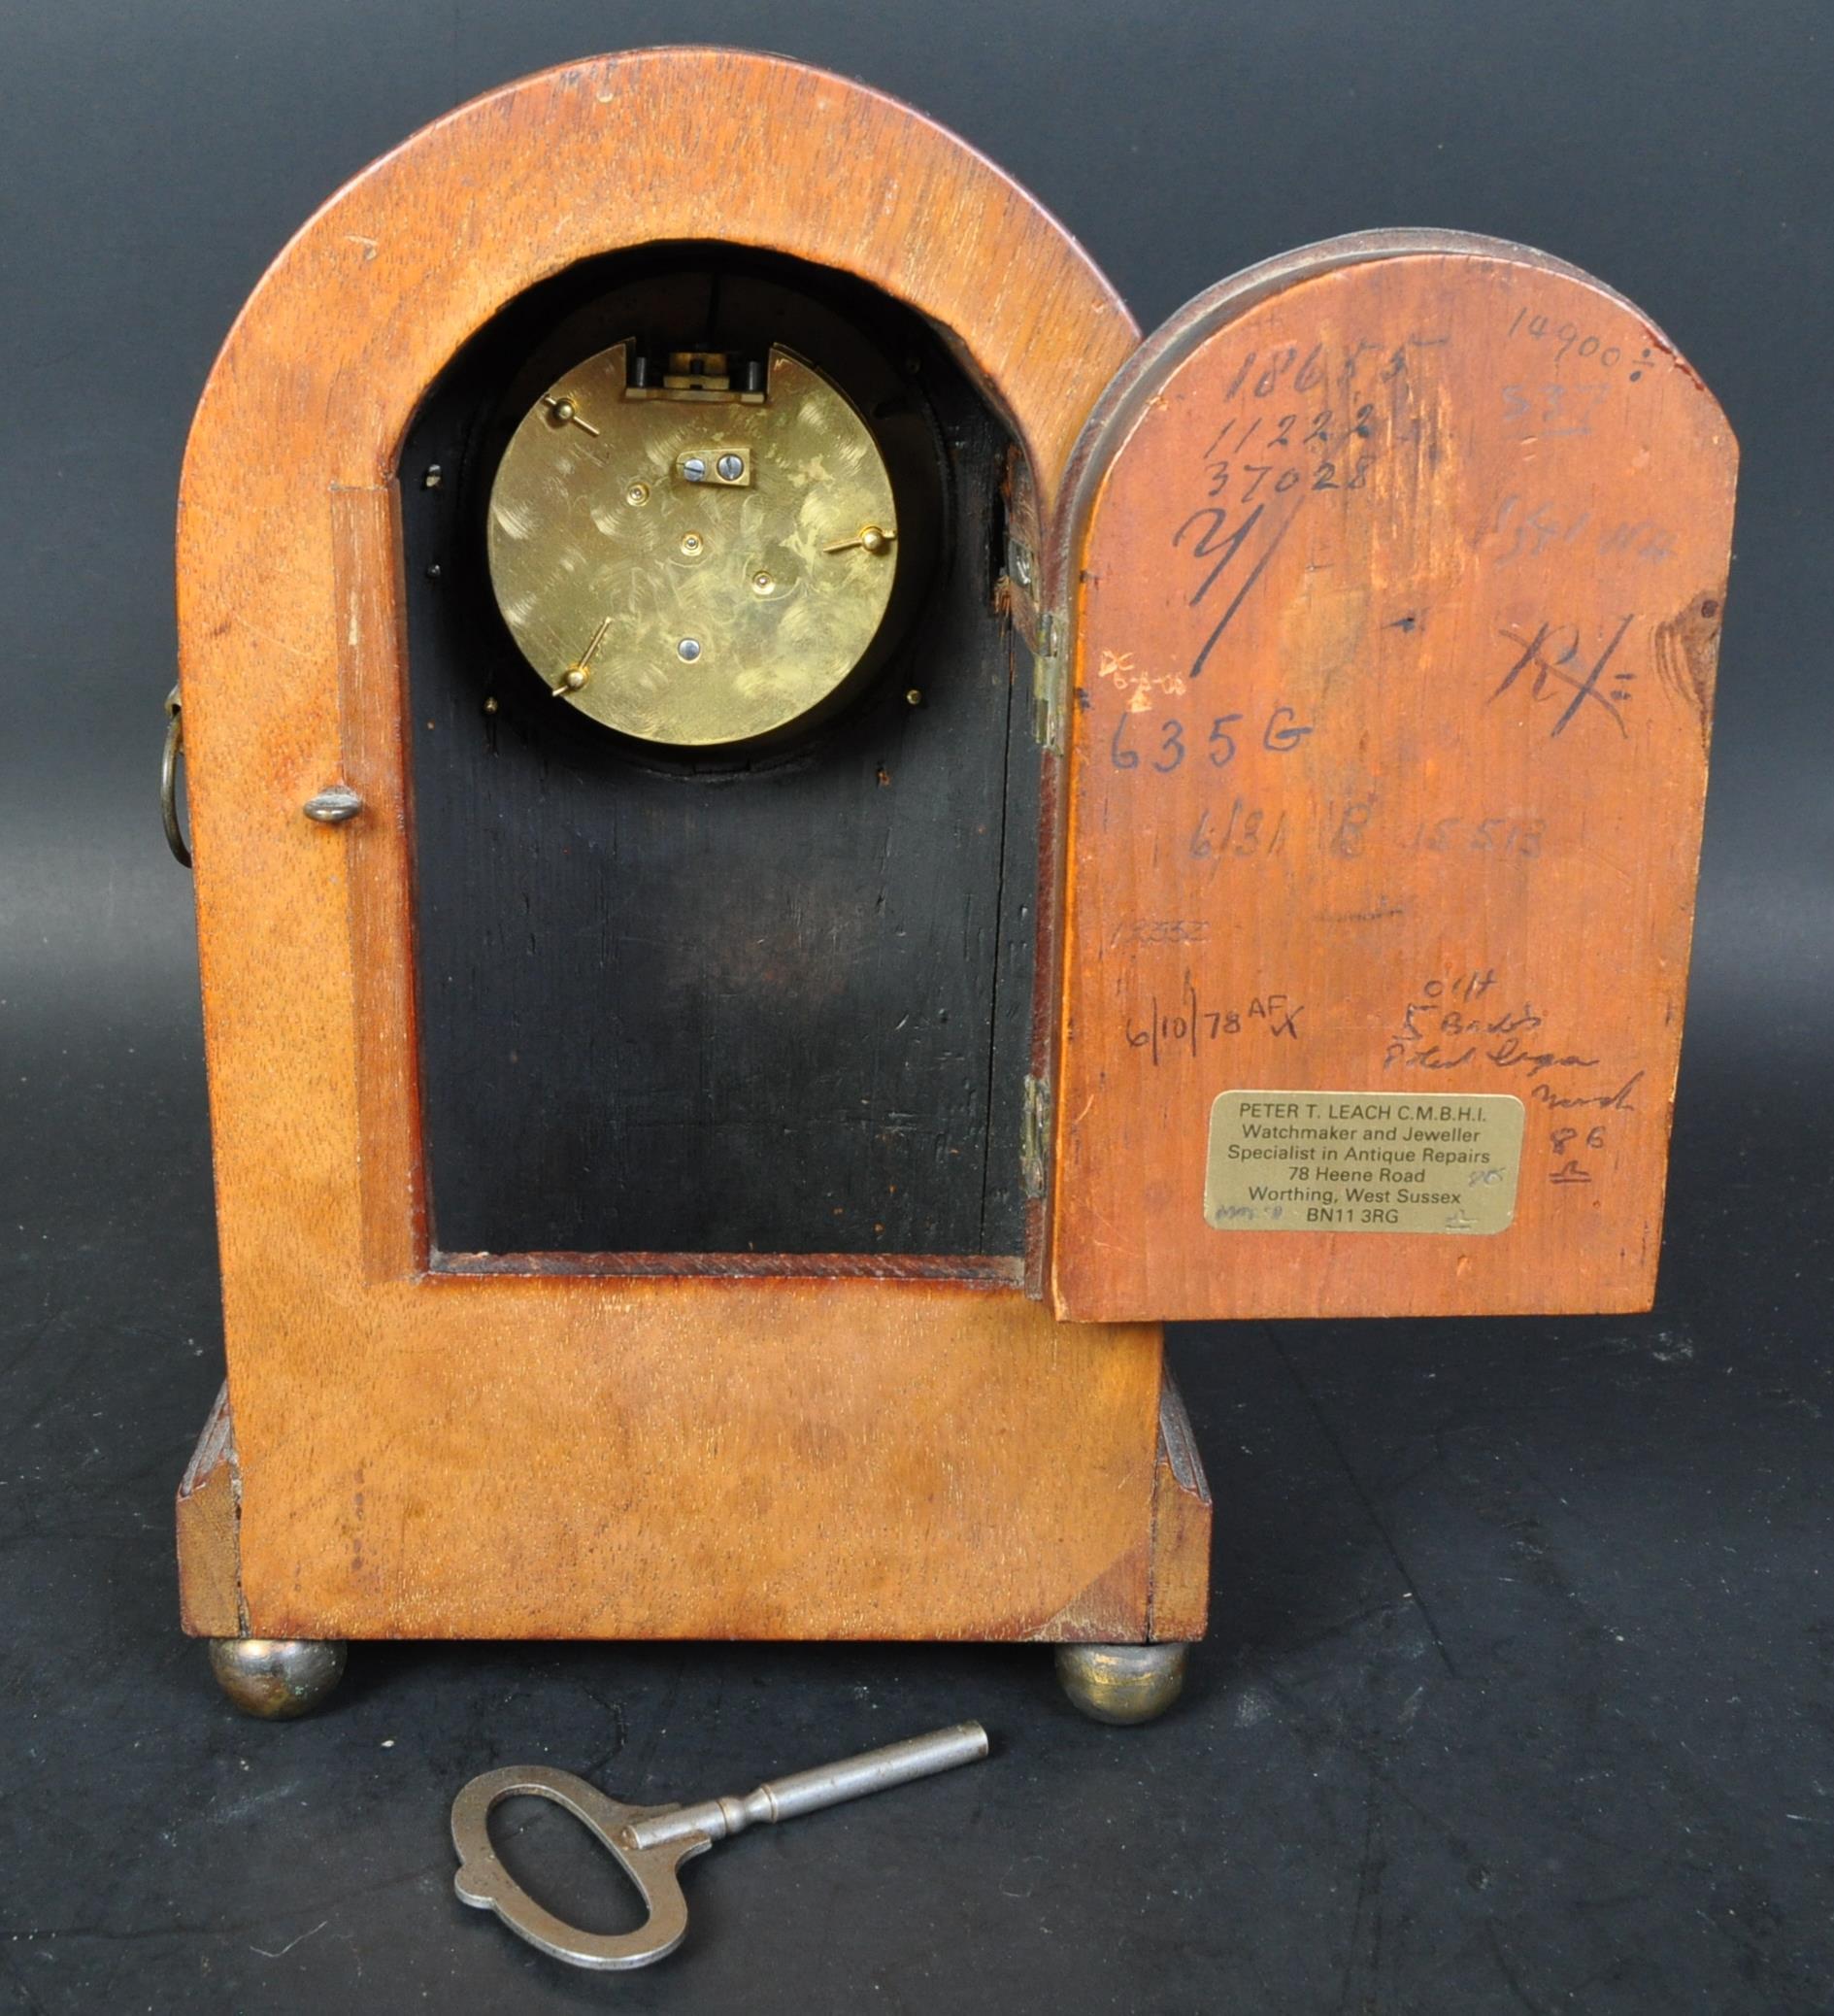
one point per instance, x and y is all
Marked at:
(530, 1453)
(210, 1580)
(504, 1456)
(1396, 572)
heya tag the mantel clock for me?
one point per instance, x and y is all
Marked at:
(800, 838)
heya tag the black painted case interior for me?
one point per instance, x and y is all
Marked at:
(775, 1003)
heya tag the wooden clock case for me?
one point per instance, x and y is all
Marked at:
(452, 1408)
(803, 1445)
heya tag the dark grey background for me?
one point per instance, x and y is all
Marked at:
(1517, 1692)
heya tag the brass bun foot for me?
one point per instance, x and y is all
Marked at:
(1123, 1683)
(277, 1678)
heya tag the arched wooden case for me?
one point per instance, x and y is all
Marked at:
(1414, 729)
(864, 1443)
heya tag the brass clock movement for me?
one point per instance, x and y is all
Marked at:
(828, 836)
(697, 550)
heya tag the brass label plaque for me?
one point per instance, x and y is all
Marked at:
(1330, 1161)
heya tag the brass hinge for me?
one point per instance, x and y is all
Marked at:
(1048, 683)
(1034, 1136)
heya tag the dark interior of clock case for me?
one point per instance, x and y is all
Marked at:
(764, 1003)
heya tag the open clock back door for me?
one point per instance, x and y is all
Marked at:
(1394, 575)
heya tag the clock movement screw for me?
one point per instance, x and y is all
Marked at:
(730, 468)
(688, 650)
(694, 469)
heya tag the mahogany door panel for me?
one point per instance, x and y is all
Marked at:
(1394, 574)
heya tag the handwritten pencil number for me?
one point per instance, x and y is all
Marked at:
(1281, 732)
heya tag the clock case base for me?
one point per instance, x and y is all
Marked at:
(884, 1568)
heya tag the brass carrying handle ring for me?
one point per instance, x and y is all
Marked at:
(169, 781)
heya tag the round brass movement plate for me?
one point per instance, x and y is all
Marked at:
(688, 563)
